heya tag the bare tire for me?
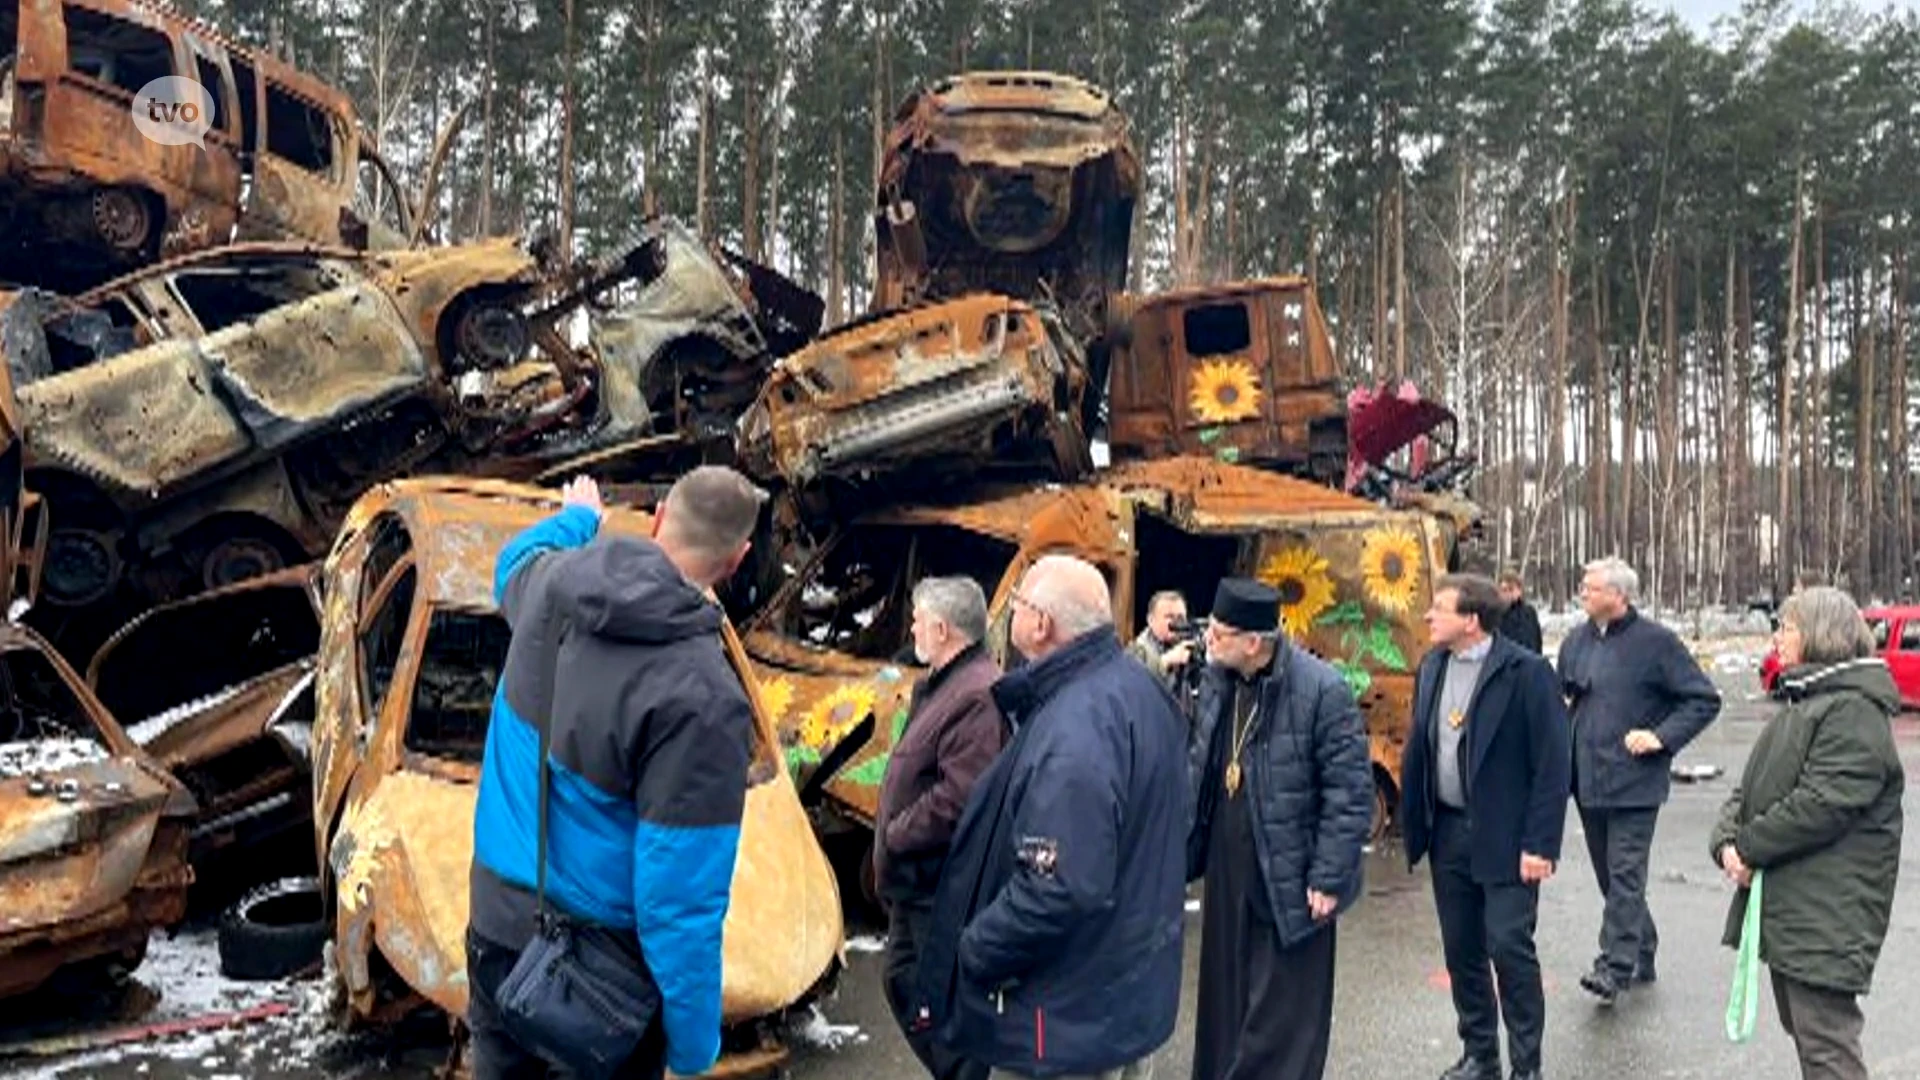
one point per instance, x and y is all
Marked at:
(123, 220)
(274, 932)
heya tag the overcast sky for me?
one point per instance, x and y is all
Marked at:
(1701, 13)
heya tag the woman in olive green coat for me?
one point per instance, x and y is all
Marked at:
(1818, 809)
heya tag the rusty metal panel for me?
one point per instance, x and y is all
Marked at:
(65, 860)
(142, 421)
(319, 360)
(1242, 372)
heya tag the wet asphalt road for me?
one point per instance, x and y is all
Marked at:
(1393, 1019)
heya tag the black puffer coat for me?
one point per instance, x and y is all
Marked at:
(1308, 774)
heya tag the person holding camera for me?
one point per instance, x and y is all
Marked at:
(1161, 646)
(1637, 697)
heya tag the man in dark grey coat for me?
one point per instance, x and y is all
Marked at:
(1284, 791)
(954, 731)
(1637, 698)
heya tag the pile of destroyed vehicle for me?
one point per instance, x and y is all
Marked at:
(260, 479)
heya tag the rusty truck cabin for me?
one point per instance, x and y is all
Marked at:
(280, 160)
(1244, 372)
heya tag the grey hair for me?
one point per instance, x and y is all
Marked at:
(957, 601)
(1831, 627)
(1073, 611)
(1616, 574)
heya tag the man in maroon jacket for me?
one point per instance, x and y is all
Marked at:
(953, 733)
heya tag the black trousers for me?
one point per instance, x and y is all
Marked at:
(492, 1053)
(1487, 930)
(1825, 1025)
(1619, 842)
(908, 923)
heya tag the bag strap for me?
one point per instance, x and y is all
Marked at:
(1743, 1003)
(540, 874)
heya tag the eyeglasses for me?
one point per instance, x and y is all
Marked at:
(1014, 596)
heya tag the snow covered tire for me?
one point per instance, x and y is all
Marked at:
(274, 932)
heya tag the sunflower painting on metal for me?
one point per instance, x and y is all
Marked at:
(835, 714)
(1300, 576)
(1390, 567)
(777, 695)
(1224, 392)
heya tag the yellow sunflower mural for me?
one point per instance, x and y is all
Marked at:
(1300, 576)
(834, 714)
(1390, 566)
(1225, 391)
(777, 695)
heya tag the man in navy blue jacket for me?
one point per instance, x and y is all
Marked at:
(1056, 948)
(617, 653)
(1484, 795)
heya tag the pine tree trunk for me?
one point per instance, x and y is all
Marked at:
(1557, 403)
(1865, 345)
(837, 231)
(750, 168)
(569, 62)
(1783, 464)
(1600, 457)
(1400, 274)
(487, 169)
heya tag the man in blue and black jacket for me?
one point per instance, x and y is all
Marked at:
(617, 652)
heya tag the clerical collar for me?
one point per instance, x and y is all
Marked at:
(1476, 653)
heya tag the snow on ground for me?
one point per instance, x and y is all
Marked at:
(816, 1030)
(867, 943)
(185, 971)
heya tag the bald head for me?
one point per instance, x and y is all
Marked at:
(707, 520)
(1066, 597)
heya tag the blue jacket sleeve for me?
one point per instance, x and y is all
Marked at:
(1550, 743)
(1067, 837)
(572, 527)
(690, 801)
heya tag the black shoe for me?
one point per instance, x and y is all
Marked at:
(1526, 1074)
(1644, 973)
(1601, 984)
(1472, 1068)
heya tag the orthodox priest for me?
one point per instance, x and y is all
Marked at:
(1284, 806)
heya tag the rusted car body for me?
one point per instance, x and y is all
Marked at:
(93, 832)
(281, 159)
(235, 724)
(411, 648)
(1354, 578)
(1021, 183)
(980, 384)
(1245, 372)
(211, 418)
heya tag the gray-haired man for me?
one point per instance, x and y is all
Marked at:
(1636, 697)
(953, 733)
(1159, 645)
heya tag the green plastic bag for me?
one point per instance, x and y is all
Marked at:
(1743, 1005)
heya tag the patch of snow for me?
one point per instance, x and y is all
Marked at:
(155, 726)
(867, 943)
(185, 969)
(817, 1031)
(30, 756)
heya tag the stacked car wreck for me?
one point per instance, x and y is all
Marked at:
(301, 445)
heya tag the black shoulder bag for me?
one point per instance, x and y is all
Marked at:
(575, 996)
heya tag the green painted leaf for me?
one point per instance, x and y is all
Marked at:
(868, 773)
(1386, 650)
(1228, 454)
(899, 726)
(1359, 681)
(1347, 612)
(798, 756)
(1209, 436)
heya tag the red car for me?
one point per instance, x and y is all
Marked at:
(1896, 634)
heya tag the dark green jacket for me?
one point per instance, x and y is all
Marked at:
(1818, 809)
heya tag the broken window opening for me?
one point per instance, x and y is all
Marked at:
(1217, 329)
(1882, 629)
(453, 695)
(245, 88)
(859, 600)
(114, 51)
(226, 296)
(91, 335)
(216, 84)
(237, 638)
(1910, 636)
(1169, 557)
(381, 639)
(43, 727)
(297, 131)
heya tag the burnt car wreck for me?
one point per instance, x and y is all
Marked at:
(211, 418)
(84, 196)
